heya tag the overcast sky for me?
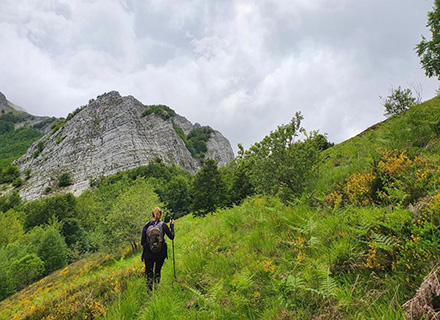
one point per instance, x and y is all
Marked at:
(242, 67)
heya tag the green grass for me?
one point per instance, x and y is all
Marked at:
(267, 260)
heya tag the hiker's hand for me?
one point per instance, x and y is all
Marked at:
(172, 221)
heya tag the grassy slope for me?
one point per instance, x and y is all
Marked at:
(265, 260)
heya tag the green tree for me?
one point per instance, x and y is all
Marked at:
(10, 227)
(41, 211)
(64, 180)
(25, 271)
(129, 213)
(281, 163)
(177, 196)
(398, 101)
(52, 249)
(209, 189)
(429, 50)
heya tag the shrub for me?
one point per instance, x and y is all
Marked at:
(160, 110)
(196, 141)
(40, 211)
(6, 126)
(52, 250)
(64, 180)
(40, 148)
(11, 228)
(17, 183)
(26, 270)
(398, 101)
(9, 173)
(57, 125)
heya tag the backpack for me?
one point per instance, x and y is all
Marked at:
(155, 236)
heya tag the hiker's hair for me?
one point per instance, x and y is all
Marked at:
(157, 214)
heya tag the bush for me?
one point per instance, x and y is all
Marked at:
(398, 101)
(25, 271)
(64, 180)
(40, 211)
(11, 228)
(9, 173)
(197, 139)
(40, 148)
(52, 250)
(160, 110)
(6, 126)
(17, 183)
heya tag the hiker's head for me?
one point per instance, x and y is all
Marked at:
(157, 214)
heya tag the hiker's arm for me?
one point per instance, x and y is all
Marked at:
(170, 233)
(144, 238)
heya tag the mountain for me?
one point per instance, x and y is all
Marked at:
(358, 245)
(112, 134)
(20, 118)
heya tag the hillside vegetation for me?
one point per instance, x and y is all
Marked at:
(342, 232)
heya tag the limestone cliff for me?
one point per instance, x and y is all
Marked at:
(110, 135)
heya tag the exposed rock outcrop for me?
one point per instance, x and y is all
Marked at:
(107, 136)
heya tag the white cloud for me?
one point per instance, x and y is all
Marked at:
(240, 66)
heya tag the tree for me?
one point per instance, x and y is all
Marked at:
(26, 270)
(52, 250)
(177, 196)
(281, 164)
(129, 213)
(41, 211)
(398, 101)
(209, 189)
(10, 227)
(429, 50)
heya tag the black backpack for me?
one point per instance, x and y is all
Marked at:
(155, 236)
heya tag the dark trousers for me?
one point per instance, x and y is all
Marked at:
(155, 263)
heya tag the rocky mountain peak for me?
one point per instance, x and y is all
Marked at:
(112, 134)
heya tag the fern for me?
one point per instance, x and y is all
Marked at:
(383, 241)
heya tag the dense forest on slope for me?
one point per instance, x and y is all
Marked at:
(345, 231)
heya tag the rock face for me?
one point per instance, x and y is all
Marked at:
(107, 136)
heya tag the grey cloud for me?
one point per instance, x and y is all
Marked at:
(243, 67)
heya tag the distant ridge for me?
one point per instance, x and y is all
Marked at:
(112, 134)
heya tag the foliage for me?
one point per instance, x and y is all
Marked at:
(9, 201)
(15, 143)
(75, 112)
(9, 173)
(11, 228)
(196, 140)
(160, 110)
(130, 212)
(57, 125)
(398, 101)
(177, 196)
(40, 211)
(428, 50)
(6, 126)
(43, 123)
(64, 180)
(26, 270)
(209, 189)
(52, 250)
(281, 164)
(39, 149)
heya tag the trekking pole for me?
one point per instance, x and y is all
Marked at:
(174, 262)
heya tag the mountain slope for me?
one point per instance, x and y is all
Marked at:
(109, 135)
(314, 259)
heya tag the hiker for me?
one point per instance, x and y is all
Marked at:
(155, 247)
